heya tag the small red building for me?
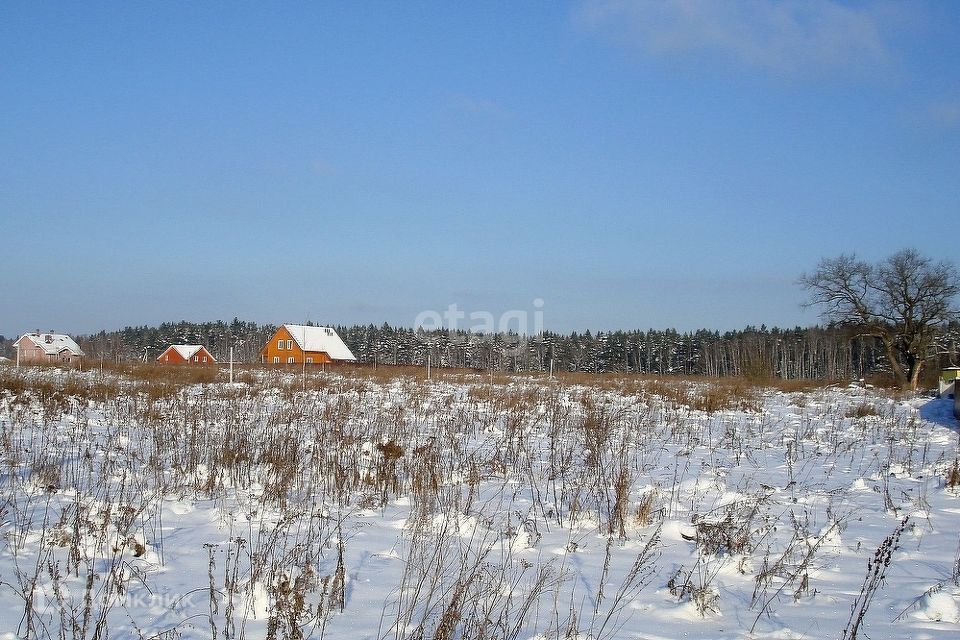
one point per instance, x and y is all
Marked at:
(186, 354)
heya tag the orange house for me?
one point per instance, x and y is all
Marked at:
(186, 354)
(302, 344)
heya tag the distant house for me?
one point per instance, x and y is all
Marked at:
(47, 347)
(948, 381)
(186, 354)
(950, 387)
(301, 344)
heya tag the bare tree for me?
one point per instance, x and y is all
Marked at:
(902, 301)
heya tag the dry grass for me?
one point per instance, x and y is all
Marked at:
(735, 394)
(862, 410)
(178, 375)
(953, 475)
(320, 444)
(728, 395)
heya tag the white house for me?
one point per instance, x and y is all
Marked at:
(47, 347)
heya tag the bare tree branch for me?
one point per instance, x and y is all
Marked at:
(901, 301)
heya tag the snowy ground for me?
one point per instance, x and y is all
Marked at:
(351, 507)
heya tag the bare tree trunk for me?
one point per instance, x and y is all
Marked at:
(916, 366)
(895, 365)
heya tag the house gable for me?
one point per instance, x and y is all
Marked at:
(282, 349)
(47, 347)
(186, 354)
(286, 346)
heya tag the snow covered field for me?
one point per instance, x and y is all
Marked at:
(353, 506)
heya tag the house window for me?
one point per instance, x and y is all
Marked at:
(289, 344)
(276, 359)
(290, 360)
(204, 359)
(309, 360)
(279, 344)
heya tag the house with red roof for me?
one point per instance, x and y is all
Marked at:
(193, 354)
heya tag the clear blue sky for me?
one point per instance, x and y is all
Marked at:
(633, 164)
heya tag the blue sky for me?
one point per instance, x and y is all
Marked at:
(632, 164)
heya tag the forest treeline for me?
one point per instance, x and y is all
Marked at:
(813, 352)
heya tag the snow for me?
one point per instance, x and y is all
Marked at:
(186, 351)
(941, 607)
(375, 508)
(52, 343)
(320, 339)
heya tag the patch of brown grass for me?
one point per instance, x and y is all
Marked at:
(735, 394)
(172, 374)
(953, 475)
(862, 410)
